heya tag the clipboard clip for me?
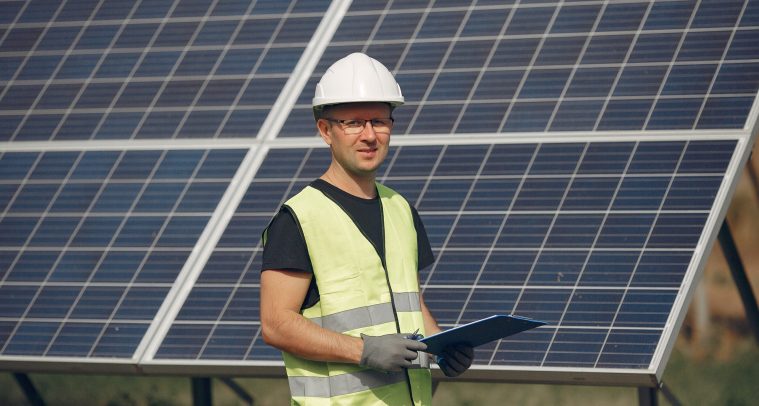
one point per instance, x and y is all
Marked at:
(415, 336)
(423, 359)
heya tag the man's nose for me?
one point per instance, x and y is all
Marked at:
(368, 132)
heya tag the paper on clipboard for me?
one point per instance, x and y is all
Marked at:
(480, 332)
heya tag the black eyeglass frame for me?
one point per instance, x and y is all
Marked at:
(343, 123)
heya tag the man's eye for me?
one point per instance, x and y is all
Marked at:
(352, 123)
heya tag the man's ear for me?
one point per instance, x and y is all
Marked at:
(324, 131)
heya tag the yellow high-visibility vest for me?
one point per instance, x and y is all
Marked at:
(359, 293)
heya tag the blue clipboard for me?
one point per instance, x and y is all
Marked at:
(480, 332)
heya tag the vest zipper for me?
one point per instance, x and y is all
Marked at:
(384, 268)
(389, 287)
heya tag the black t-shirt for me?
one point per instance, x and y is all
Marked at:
(285, 247)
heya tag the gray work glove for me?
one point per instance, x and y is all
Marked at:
(390, 352)
(455, 359)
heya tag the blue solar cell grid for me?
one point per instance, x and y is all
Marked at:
(91, 242)
(220, 318)
(80, 70)
(491, 67)
(594, 238)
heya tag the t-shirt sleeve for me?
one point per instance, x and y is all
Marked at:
(424, 250)
(285, 247)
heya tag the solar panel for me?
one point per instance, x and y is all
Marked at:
(224, 299)
(94, 70)
(572, 234)
(502, 67)
(571, 162)
(84, 279)
(92, 242)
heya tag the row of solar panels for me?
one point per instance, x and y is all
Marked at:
(125, 252)
(594, 237)
(469, 69)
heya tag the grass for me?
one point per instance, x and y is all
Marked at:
(706, 381)
(716, 381)
(703, 380)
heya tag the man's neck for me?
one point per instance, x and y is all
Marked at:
(359, 186)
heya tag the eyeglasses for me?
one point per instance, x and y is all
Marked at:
(353, 127)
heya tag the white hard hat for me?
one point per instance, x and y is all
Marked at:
(357, 78)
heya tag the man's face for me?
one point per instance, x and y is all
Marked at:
(358, 154)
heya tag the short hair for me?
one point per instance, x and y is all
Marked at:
(323, 111)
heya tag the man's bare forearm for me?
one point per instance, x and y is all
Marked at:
(430, 325)
(295, 334)
(282, 293)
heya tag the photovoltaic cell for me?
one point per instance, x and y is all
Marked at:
(550, 66)
(560, 237)
(92, 242)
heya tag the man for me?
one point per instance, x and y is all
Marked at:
(339, 287)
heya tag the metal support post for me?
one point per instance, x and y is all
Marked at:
(753, 175)
(238, 390)
(201, 391)
(739, 275)
(648, 396)
(669, 395)
(435, 384)
(27, 386)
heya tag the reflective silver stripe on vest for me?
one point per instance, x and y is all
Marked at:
(357, 318)
(407, 302)
(323, 387)
(421, 361)
(369, 315)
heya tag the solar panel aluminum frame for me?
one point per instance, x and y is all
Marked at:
(128, 145)
(269, 129)
(212, 232)
(713, 223)
(649, 377)
(194, 265)
(148, 363)
(68, 365)
(537, 375)
(299, 78)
